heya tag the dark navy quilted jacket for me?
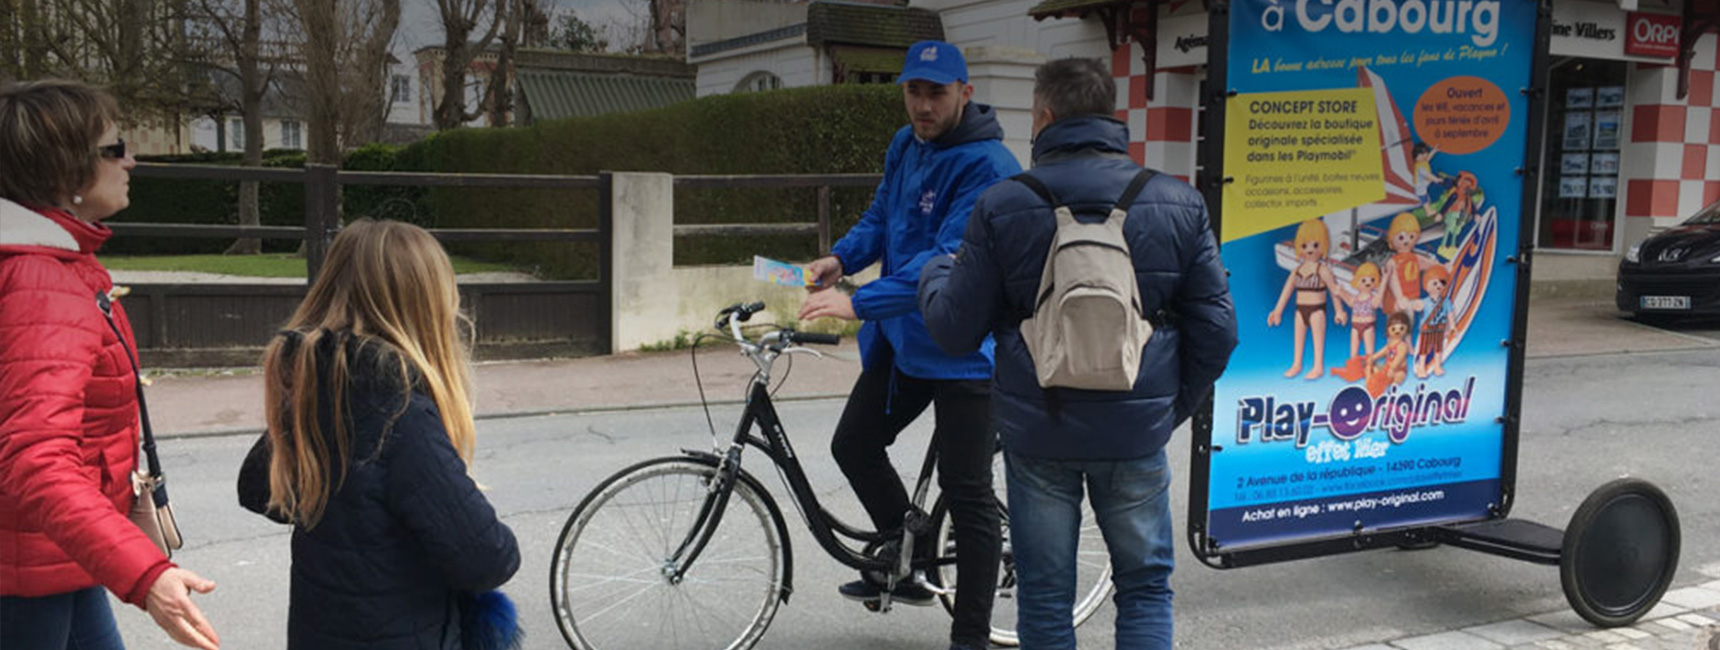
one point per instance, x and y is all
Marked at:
(990, 288)
(405, 533)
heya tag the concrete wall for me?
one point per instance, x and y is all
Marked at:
(1003, 77)
(1005, 24)
(792, 60)
(653, 300)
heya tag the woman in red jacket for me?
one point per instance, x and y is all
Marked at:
(68, 400)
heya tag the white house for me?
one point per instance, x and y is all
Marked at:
(753, 45)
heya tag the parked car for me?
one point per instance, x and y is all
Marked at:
(1676, 272)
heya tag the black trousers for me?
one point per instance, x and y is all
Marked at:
(883, 403)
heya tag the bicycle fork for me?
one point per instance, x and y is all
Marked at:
(705, 524)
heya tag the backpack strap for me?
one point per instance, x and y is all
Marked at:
(1134, 189)
(1038, 187)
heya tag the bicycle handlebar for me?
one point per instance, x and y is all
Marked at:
(813, 337)
(731, 317)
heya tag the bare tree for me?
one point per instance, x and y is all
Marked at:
(522, 22)
(345, 52)
(651, 27)
(136, 48)
(243, 73)
(460, 19)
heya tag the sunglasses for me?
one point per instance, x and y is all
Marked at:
(115, 151)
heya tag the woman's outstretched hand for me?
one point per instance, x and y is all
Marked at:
(169, 603)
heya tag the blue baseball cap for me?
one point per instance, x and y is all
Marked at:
(934, 61)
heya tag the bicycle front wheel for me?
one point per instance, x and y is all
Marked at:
(612, 578)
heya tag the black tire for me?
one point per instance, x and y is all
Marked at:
(589, 562)
(1620, 552)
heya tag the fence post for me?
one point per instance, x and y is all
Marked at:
(824, 220)
(322, 215)
(606, 265)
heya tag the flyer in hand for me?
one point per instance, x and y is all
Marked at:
(783, 273)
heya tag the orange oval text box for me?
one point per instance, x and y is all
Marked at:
(1462, 115)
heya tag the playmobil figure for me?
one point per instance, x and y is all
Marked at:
(1364, 303)
(1436, 311)
(1403, 269)
(1458, 209)
(1425, 177)
(1387, 366)
(1312, 282)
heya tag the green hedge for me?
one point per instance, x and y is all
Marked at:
(820, 130)
(182, 201)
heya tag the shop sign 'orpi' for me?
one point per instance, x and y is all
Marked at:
(1371, 186)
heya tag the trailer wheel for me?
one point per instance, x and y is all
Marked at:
(1620, 552)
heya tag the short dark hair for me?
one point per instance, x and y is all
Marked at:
(49, 131)
(1074, 87)
(1399, 318)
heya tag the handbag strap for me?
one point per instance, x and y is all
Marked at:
(154, 461)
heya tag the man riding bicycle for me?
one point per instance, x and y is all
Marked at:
(933, 171)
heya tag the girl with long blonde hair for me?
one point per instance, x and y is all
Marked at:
(369, 436)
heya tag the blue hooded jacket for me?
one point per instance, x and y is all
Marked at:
(990, 287)
(918, 212)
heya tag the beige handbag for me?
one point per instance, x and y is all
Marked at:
(149, 507)
(154, 519)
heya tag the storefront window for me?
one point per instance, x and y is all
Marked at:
(1585, 130)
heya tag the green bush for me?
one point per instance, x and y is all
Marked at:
(180, 201)
(819, 130)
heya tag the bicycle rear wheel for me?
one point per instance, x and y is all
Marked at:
(611, 578)
(1092, 562)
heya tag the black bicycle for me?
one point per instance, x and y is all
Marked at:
(691, 551)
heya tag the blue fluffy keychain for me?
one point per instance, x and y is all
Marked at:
(488, 621)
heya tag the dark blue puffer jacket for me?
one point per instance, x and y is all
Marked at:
(404, 534)
(919, 212)
(990, 287)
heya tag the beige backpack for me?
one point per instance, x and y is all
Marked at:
(1088, 326)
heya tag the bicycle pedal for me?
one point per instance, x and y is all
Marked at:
(875, 606)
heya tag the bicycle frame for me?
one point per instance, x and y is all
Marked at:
(824, 525)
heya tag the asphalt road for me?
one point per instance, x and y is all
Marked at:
(1586, 420)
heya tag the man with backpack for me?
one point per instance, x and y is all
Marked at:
(933, 171)
(1102, 285)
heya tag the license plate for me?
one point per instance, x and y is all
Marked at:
(1666, 302)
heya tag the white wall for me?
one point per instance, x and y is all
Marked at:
(653, 300)
(795, 62)
(1005, 24)
(407, 112)
(203, 134)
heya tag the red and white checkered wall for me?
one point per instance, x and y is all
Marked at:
(1671, 166)
(1161, 132)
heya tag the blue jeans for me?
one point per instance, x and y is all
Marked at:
(1131, 500)
(79, 620)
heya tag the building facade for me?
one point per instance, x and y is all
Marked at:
(1632, 140)
(757, 45)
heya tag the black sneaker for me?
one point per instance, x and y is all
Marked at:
(906, 592)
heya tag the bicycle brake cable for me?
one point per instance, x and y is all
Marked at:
(709, 423)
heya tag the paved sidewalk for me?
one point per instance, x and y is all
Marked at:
(1685, 619)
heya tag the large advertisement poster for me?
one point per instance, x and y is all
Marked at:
(1372, 149)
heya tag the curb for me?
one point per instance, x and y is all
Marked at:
(532, 413)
